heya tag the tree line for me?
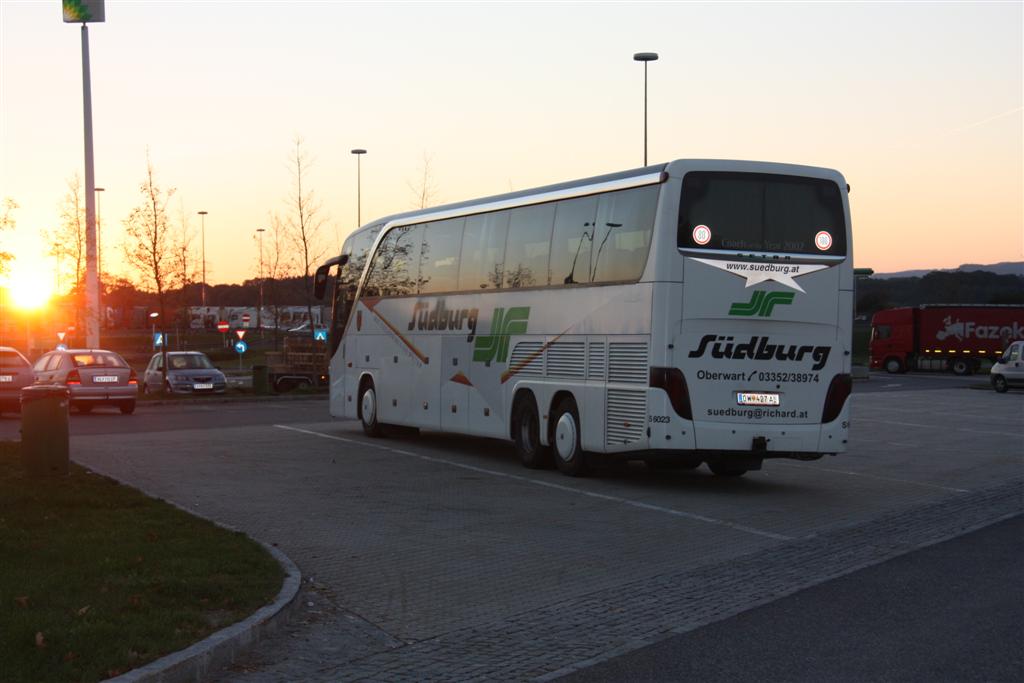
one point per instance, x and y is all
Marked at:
(939, 287)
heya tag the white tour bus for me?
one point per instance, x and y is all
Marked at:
(692, 312)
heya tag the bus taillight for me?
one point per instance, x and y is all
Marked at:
(838, 391)
(674, 384)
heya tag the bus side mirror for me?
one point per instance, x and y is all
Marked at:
(320, 281)
(320, 278)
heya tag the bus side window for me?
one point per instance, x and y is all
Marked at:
(528, 246)
(483, 251)
(625, 221)
(439, 256)
(572, 243)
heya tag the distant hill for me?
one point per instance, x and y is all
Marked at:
(1004, 268)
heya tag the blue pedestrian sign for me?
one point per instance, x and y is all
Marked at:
(62, 347)
(158, 339)
(241, 346)
(320, 334)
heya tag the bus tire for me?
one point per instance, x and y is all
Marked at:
(999, 384)
(570, 458)
(721, 469)
(368, 410)
(961, 366)
(893, 365)
(526, 433)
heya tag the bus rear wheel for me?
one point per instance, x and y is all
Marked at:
(565, 436)
(368, 410)
(526, 433)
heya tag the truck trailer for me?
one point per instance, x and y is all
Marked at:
(955, 337)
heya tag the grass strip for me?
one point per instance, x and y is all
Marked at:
(97, 578)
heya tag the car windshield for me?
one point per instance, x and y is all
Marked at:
(12, 360)
(192, 361)
(98, 359)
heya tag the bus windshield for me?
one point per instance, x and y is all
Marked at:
(761, 212)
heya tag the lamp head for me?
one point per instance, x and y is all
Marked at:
(646, 56)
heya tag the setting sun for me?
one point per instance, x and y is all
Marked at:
(28, 288)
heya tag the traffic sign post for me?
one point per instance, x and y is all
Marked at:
(240, 347)
(245, 319)
(223, 328)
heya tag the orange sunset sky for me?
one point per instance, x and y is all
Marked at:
(918, 104)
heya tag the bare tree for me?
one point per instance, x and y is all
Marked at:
(424, 190)
(7, 223)
(68, 240)
(183, 262)
(277, 265)
(304, 222)
(148, 246)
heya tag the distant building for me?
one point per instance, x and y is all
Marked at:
(291, 317)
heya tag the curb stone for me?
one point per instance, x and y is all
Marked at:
(220, 649)
(199, 660)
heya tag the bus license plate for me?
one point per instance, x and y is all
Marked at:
(105, 378)
(744, 398)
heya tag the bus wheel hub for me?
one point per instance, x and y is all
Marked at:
(565, 436)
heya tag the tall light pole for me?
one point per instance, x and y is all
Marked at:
(99, 252)
(645, 57)
(84, 11)
(359, 188)
(259, 309)
(202, 289)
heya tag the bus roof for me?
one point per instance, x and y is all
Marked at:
(594, 180)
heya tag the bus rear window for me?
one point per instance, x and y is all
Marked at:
(761, 212)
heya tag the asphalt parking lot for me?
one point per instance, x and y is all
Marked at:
(440, 557)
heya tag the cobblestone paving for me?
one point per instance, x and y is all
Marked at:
(583, 631)
(439, 558)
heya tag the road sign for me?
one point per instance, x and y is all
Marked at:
(241, 346)
(240, 333)
(158, 339)
(60, 335)
(320, 334)
(246, 318)
(222, 326)
(62, 347)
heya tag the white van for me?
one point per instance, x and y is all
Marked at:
(1008, 371)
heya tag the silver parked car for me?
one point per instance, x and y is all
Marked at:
(188, 372)
(94, 377)
(15, 373)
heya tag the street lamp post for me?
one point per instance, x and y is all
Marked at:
(359, 188)
(202, 288)
(645, 57)
(83, 12)
(99, 252)
(259, 309)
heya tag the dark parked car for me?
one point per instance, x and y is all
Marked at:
(15, 373)
(188, 372)
(94, 377)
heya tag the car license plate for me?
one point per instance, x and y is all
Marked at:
(202, 386)
(6, 378)
(107, 379)
(744, 398)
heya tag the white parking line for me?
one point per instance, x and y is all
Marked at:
(869, 476)
(955, 429)
(550, 485)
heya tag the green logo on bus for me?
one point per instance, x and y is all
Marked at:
(494, 346)
(762, 304)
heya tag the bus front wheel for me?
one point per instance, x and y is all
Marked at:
(368, 410)
(565, 435)
(526, 433)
